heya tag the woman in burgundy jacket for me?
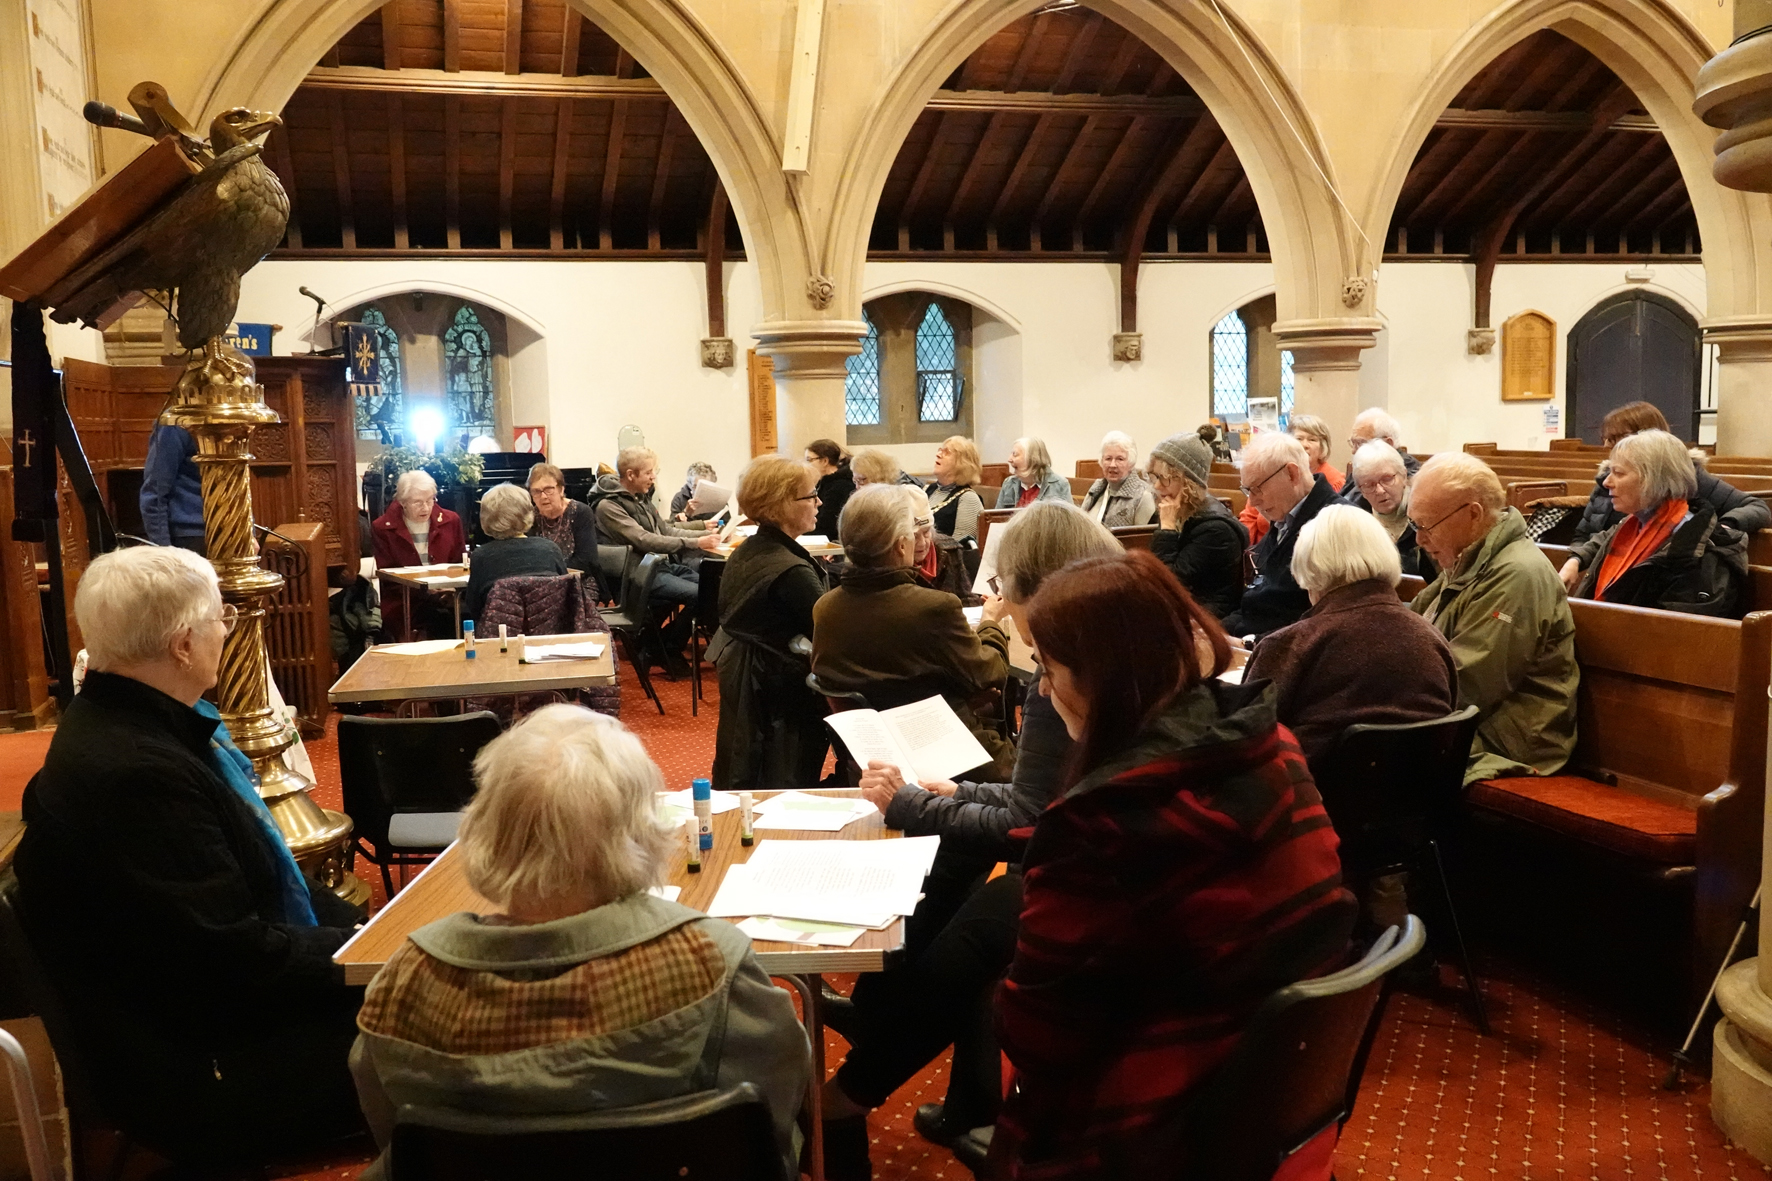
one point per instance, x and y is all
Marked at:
(1186, 872)
(416, 531)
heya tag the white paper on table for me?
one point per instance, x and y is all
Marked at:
(538, 653)
(987, 561)
(1232, 676)
(859, 883)
(925, 740)
(974, 616)
(418, 647)
(808, 540)
(800, 931)
(668, 893)
(796, 810)
(718, 801)
(708, 497)
(436, 579)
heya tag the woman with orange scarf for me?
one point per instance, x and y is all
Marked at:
(1671, 551)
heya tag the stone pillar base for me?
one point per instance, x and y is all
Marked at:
(1740, 1093)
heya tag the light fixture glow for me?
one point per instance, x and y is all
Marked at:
(482, 445)
(427, 426)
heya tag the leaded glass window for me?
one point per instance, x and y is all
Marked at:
(1285, 388)
(384, 417)
(938, 377)
(467, 369)
(861, 385)
(1230, 368)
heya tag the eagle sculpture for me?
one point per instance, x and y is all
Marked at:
(213, 229)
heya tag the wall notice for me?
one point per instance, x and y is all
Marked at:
(59, 90)
(1529, 358)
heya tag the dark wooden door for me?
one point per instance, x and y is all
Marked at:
(1634, 347)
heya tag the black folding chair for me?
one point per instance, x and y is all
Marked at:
(707, 622)
(1389, 790)
(633, 623)
(708, 1136)
(406, 782)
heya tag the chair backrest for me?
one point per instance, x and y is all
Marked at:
(31, 981)
(838, 699)
(707, 595)
(709, 1135)
(533, 605)
(30, 1115)
(1293, 1073)
(390, 765)
(1379, 777)
(636, 587)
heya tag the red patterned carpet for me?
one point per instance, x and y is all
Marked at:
(1564, 1089)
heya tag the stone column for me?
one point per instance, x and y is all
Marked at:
(1741, 1043)
(1744, 383)
(1326, 366)
(809, 377)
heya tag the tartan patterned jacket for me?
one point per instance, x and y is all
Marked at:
(1166, 895)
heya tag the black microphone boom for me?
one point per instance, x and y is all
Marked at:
(319, 303)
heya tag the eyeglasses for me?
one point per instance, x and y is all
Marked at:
(1422, 530)
(1372, 485)
(545, 490)
(1354, 443)
(812, 496)
(1247, 491)
(230, 615)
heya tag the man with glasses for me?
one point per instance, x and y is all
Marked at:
(1503, 609)
(1381, 476)
(1277, 480)
(1373, 423)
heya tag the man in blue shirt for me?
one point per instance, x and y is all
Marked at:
(172, 490)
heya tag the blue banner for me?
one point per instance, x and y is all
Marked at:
(252, 339)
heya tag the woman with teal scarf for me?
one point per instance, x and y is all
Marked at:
(192, 956)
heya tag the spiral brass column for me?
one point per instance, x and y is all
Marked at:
(218, 401)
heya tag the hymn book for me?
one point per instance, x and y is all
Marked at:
(925, 740)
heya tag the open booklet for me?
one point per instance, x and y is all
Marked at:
(708, 497)
(925, 740)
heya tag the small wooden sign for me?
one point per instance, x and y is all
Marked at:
(1529, 358)
(762, 378)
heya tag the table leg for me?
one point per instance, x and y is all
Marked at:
(810, 986)
(406, 591)
(455, 597)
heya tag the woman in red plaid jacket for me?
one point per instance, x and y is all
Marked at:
(1188, 871)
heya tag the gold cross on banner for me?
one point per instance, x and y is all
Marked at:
(24, 443)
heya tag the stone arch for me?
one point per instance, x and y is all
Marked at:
(951, 290)
(1315, 246)
(1655, 51)
(266, 63)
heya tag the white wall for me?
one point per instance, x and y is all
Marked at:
(596, 345)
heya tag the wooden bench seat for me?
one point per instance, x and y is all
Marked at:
(1655, 831)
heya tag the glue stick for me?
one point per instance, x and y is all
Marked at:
(467, 635)
(701, 792)
(692, 835)
(504, 641)
(746, 837)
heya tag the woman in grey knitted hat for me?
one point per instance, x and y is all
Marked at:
(1197, 537)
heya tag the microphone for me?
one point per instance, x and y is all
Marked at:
(318, 302)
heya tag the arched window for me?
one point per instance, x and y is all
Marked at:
(384, 417)
(1230, 368)
(467, 375)
(938, 379)
(861, 386)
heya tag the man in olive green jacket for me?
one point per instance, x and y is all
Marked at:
(1503, 609)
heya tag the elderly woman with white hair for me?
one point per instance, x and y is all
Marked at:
(506, 514)
(416, 530)
(191, 955)
(582, 991)
(1672, 550)
(1031, 476)
(1122, 496)
(1359, 655)
(1381, 477)
(883, 634)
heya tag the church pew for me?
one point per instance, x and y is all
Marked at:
(1135, 536)
(1090, 469)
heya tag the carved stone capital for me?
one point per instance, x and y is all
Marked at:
(1734, 93)
(1326, 345)
(1739, 338)
(1128, 346)
(820, 290)
(1479, 342)
(1353, 291)
(810, 348)
(716, 352)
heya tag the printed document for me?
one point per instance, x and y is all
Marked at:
(537, 653)
(708, 497)
(857, 883)
(809, 813)
(925, 740)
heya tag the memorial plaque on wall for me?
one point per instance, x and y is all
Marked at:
(762, 390)
(1529, 358)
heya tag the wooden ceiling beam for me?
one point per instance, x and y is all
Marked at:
(920, 184)
(341, 170)
(1547, 67)
(1144, 204)
(1492, 82)
(1240, 189)
(1516, 161)
(1078, 53)
(397, 167)
(969, 179)
(452, 170)
(1493, 120)
(482, 83)
(1177, 106)
(611, 172)
(1116, 71)
(624, 62)
(715, 261)
(1189, 211)
(1634, 196)
(507, 170)
(1655, 214)
(1042, 127)
(661, 176)
(513, 36)
(557, 180)
(391, 57)
(1582, 78)
(1056, 185)
(1464, 159)
(278, 143)
(452, 36)
(569, 42)
(1025, 57)
(1614, 175)
(1115, 160)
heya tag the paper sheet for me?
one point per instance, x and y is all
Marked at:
(795, 810)
(808, 540)
(1231, 676)
(708, 497)
(418, 647)
(668, 893)
(719, 801)
(987, 561)
(442, 579)
(539, 653)
(858, 883)
(801, 931)
(974, 616)
(925, 740)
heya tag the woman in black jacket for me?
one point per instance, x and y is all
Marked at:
(771, 729)
(836, 484)
(506, 515)
(191, 955)
(1198, 538)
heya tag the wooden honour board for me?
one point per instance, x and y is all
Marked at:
(1529, 358)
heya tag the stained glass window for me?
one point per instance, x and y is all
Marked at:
(861, 387)
(384, 418)
(938, 379)
(1230, 367)
(467, 380)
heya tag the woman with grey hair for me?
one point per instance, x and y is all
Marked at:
(1672, 550)
(1031, 476)
(1121, 496)
(416, 530)
(1378, 472)
(193, 959)
(1359, 654)
(962, 937)
(583, 991)
(506, 514)
(883, 634)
